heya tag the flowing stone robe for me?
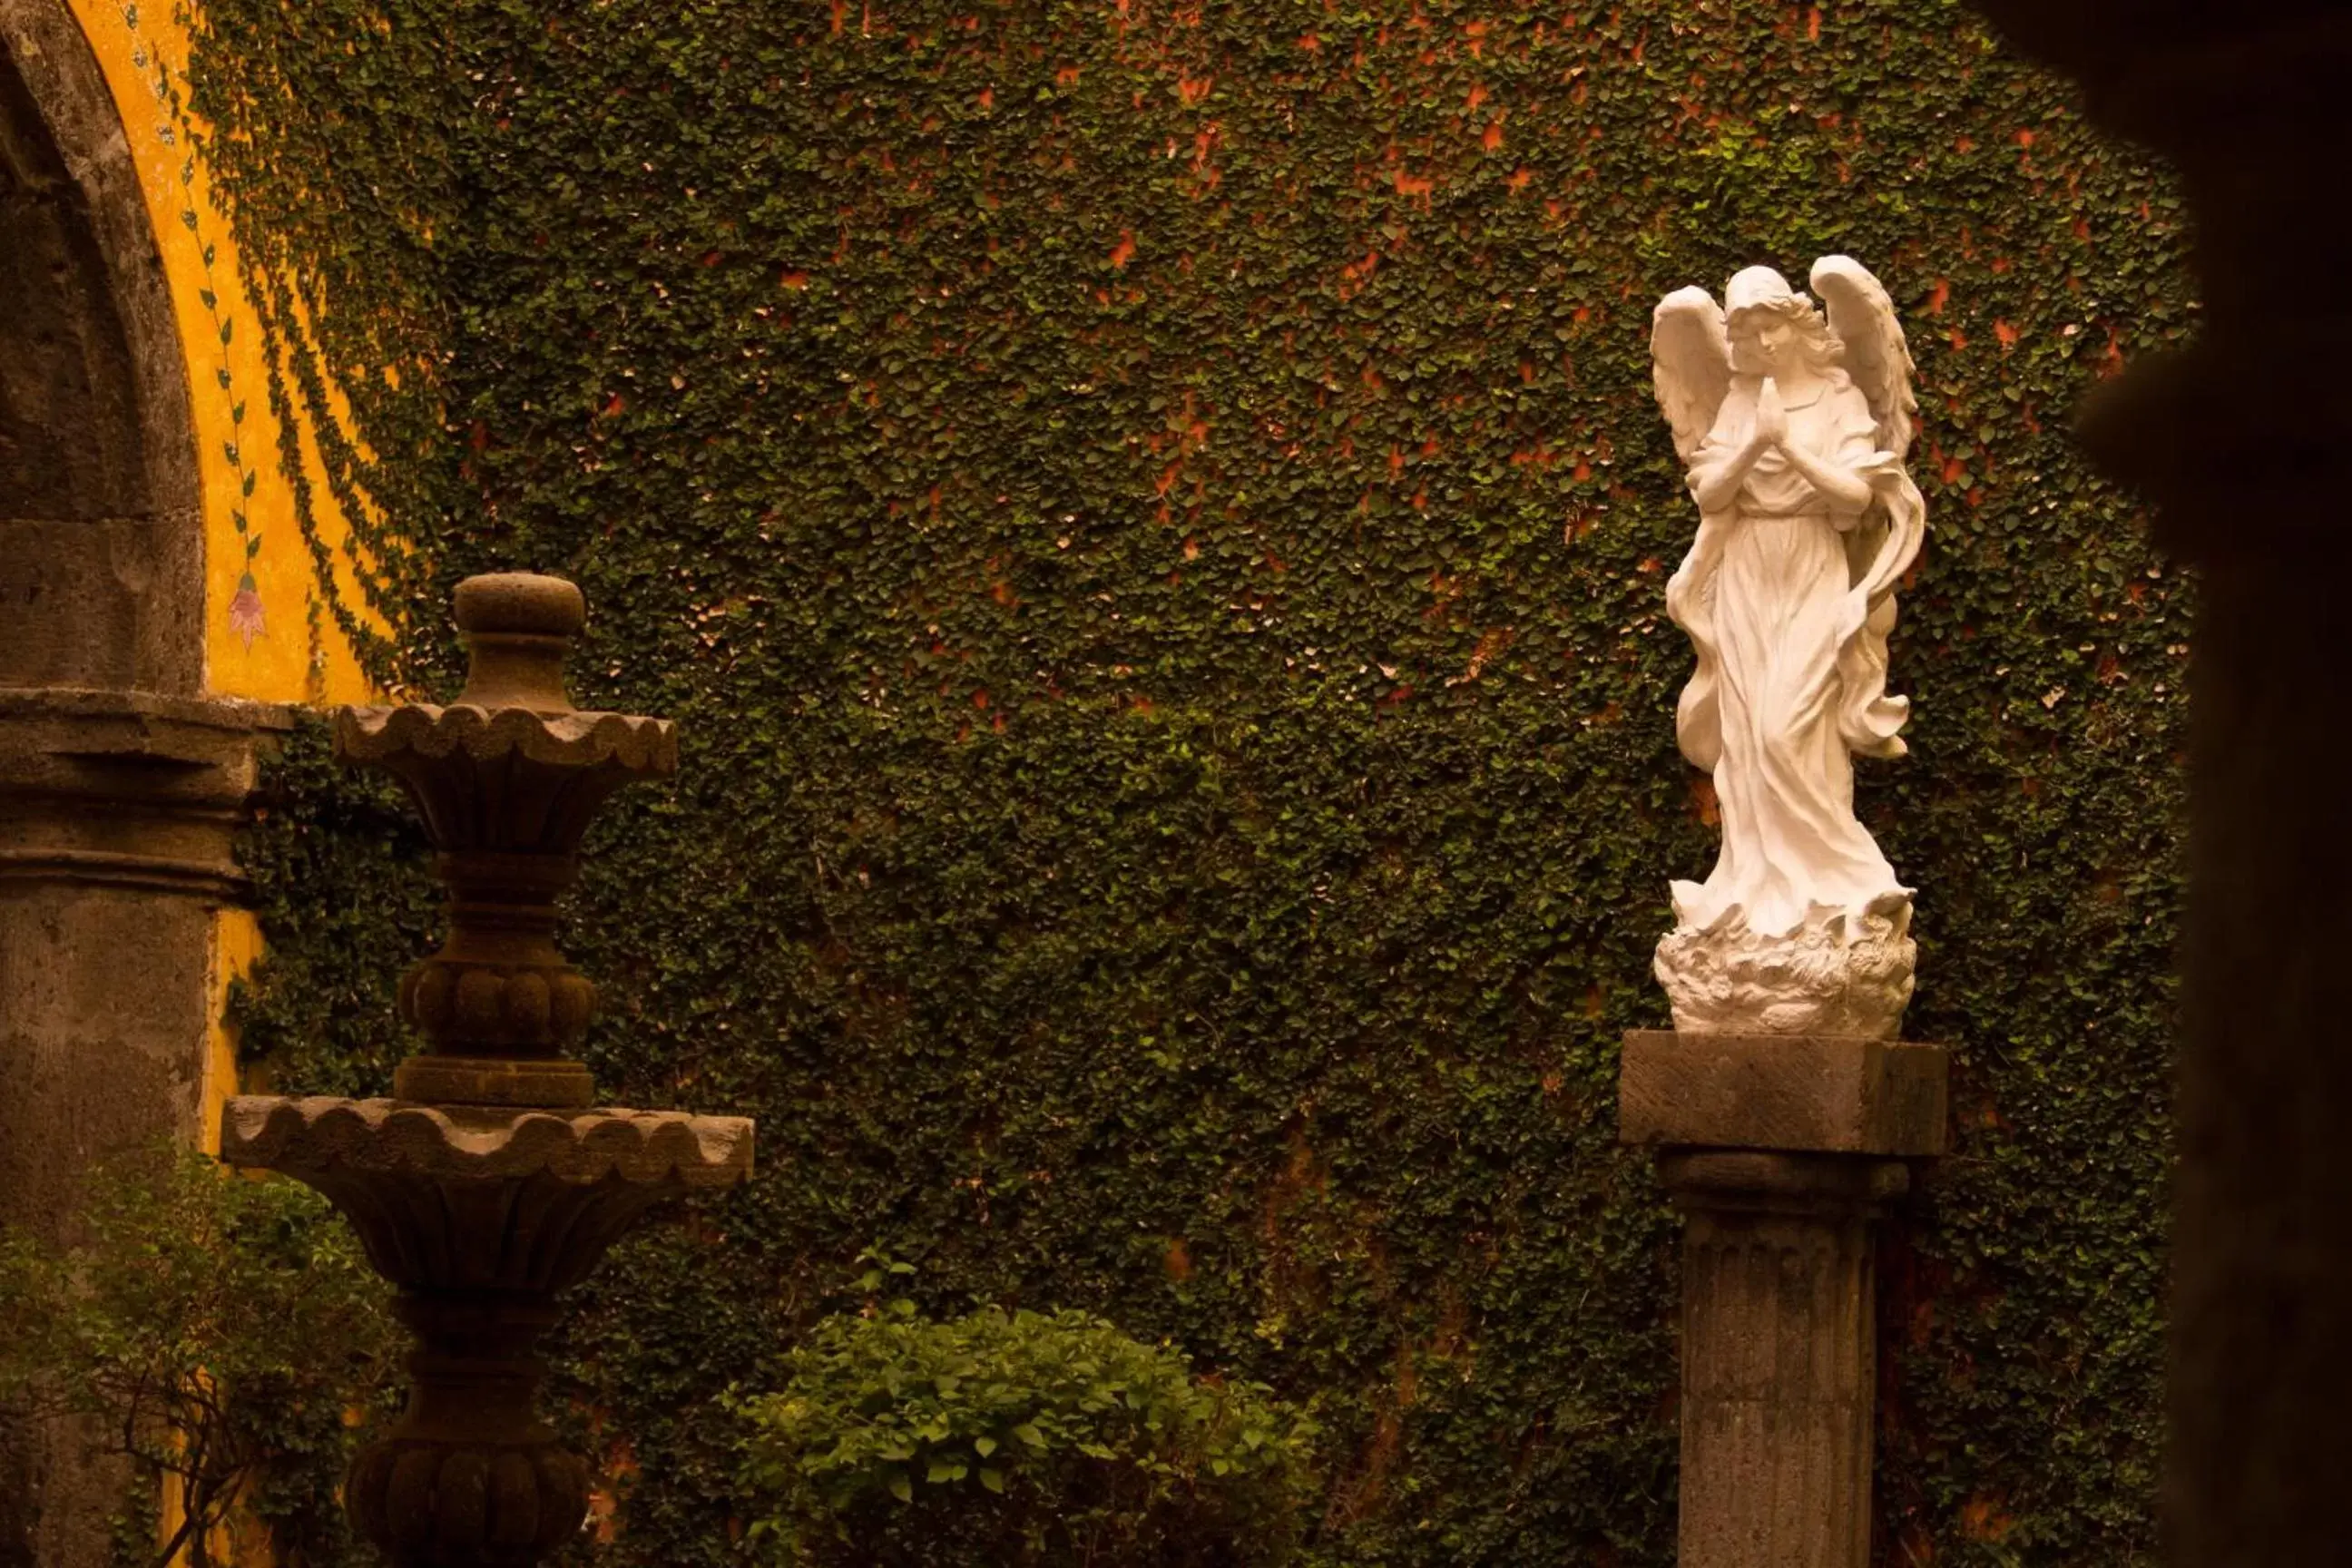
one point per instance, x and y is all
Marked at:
(1786, 677)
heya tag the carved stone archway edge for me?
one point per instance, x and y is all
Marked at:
(2243, 440)
(159, 505)
(122, 783)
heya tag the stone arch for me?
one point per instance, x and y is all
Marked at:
(101, 546)
(122, 781)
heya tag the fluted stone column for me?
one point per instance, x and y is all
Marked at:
(1782, 1153)
(1779, 1359)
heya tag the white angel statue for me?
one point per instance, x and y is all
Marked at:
(1794, 428)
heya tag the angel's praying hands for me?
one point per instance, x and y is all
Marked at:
(1714, 486)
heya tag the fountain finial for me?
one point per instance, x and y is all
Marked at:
(519, 625)
(508, 778)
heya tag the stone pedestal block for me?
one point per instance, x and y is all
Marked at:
(1782, 1151)
(1804, 1093)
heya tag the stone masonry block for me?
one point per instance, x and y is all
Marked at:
(1799, 1092)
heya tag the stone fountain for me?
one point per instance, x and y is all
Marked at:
(491, 1183)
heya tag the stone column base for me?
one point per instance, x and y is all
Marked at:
(118, 810)
(1781, 1153)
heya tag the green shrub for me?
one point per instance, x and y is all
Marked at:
(1018, 1437)
(221, 1335)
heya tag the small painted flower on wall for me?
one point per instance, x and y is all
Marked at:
(244, 611)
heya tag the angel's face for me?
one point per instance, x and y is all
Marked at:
(1763, 343)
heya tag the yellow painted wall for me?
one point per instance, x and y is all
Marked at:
(241, 1541)
(267, 635)
(237, 942)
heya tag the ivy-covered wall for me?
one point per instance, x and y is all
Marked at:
(1150, 519)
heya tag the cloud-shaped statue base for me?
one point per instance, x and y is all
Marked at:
(1838, 972)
